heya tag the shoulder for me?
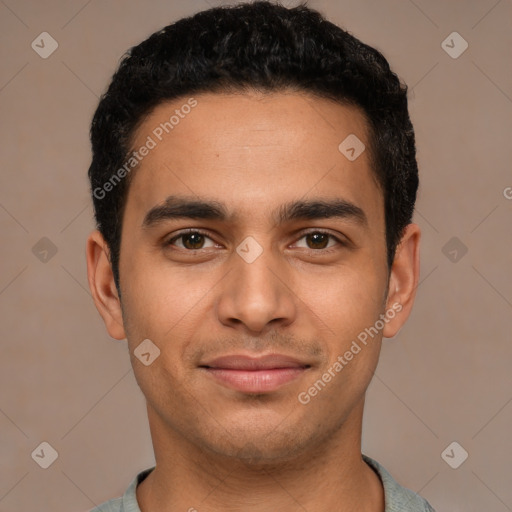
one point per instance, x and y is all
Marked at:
(398, 498)
(114, 505)
(127, 502)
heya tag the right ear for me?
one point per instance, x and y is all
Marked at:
(102, 284)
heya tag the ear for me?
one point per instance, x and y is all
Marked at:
(403, 280)
(102, 284)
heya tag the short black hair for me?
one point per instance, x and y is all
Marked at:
(261, 46)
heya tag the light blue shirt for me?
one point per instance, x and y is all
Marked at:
(397, 498)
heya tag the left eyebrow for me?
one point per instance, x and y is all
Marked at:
(321, 209)
(180, 207)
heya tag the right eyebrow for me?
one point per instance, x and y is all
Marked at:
(176, 207)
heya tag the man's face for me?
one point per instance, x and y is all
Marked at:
(253, 283)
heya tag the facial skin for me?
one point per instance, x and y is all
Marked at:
(306, 297)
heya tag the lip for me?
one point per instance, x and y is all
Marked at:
(255, 374)
(244, 362)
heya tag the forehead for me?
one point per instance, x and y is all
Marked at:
(251, 148)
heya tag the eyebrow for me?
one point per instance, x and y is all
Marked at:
(183, 207)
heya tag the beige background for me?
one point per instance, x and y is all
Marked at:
(446, 376)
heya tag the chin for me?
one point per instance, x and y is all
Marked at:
(259, 449)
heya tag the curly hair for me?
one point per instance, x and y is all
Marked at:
(260, 46)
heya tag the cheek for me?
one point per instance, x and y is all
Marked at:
(344, 301)
(346, 312)
(162, 302)
(162, 306)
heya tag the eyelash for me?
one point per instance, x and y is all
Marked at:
(204, 233)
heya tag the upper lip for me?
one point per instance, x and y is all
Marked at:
(244, 362)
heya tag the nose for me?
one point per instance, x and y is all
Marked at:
(257, 295)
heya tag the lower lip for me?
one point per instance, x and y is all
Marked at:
(255, 381)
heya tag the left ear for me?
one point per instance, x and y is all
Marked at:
(403, 280)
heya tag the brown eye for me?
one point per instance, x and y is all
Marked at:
(319, 240)
(191, 240)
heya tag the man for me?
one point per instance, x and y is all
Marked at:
(254, 180)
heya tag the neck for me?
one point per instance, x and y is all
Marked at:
(329, 476)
